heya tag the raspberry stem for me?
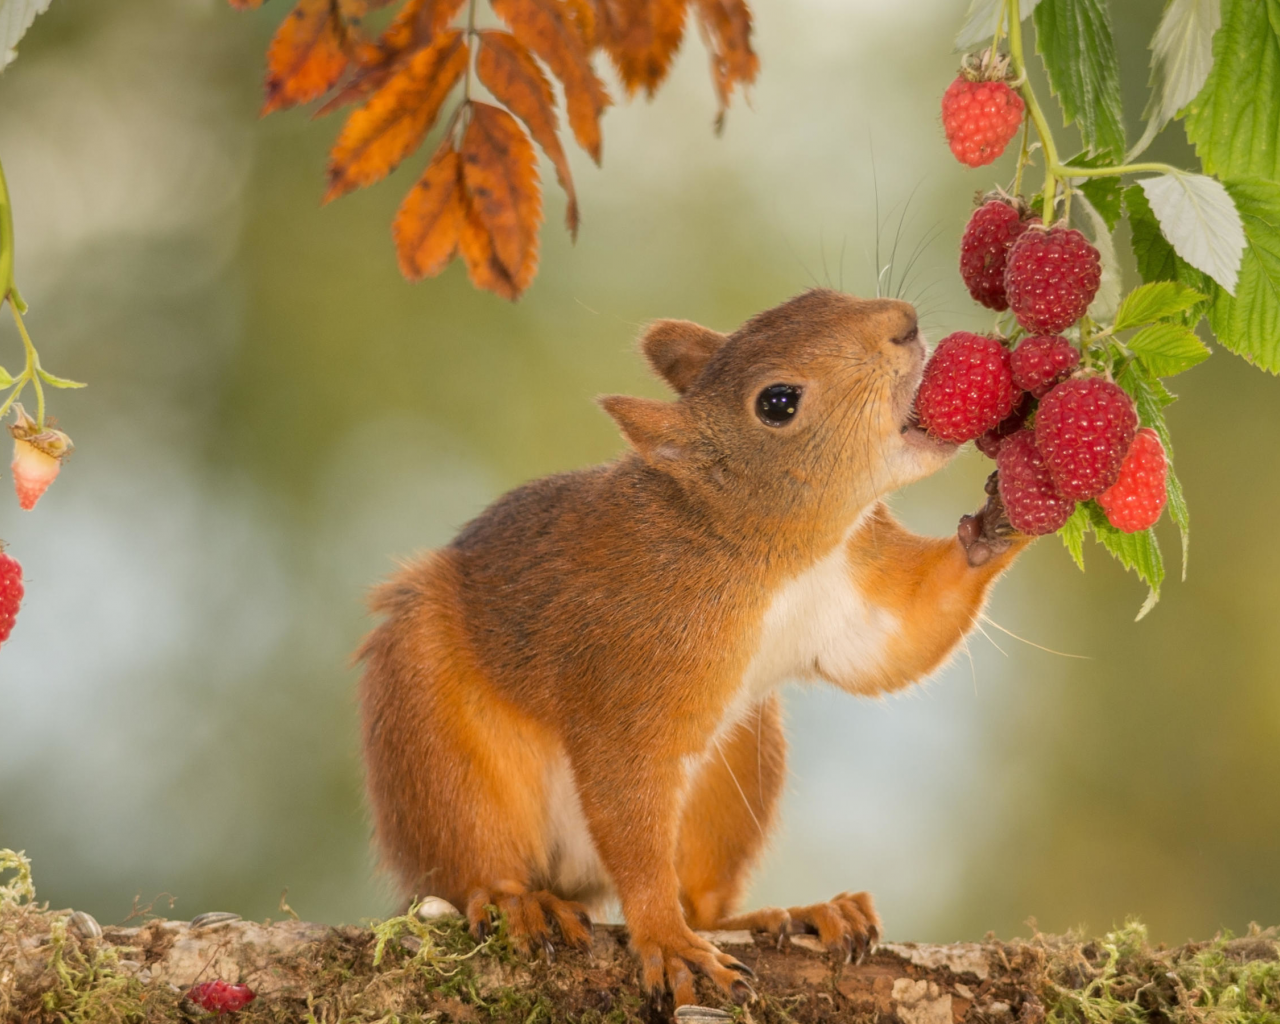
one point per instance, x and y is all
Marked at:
(1012, 12)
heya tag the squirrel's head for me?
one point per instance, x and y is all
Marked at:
(803, 413)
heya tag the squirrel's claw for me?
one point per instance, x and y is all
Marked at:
(988, 531)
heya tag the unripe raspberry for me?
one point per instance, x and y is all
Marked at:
(10, 593)
(967, 387)
(1032, 502)
(1134, 502)
(980, 118)
(993, 440)
(1050, 278)
(984, 248)
(37, 457)
(1085, 428)
(1041, 362)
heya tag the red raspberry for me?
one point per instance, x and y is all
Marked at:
(967, 387)
(221, 997)
(1085, 428)
(10, 593)
(1031, 501)
(1050, 278)
(991, 442)
(1041, 362)
(980, 118)
(1135, 501)
(985, 246)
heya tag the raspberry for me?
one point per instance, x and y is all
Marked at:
(1031, 501)
(10, 593)
(37, 456)
(991, 442)
(1134, 502)
(1085, 428)
(967, 387)
(980, 118)
(985, 246)
(1041, 362)
(221, 997)
(1050, 278)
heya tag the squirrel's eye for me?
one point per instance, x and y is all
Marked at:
(777, 404)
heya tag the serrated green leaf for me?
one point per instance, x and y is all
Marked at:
(1107, 298)
(1158, 300)
(1168, 349)
(1074, 39)
(6, 381)
(1155, 256)
(1104, 193)
(16, 17)
(1248, 323)
(59, 382)
(980, 23)
(1136, 551)
(1201, 222)
(1072, 533)
(1234, 122)
(1181, 59)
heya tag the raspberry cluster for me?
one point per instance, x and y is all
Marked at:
(221, 996)
(10, 593)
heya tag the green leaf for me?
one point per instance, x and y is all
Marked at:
(1136, 551)
(980, 23)
(1107, 298)
(6, 381)
(1235, 121)
(1104, 193)
(1158, 300)
(1168, 349)
(1072, 533)
(1201, 222)
(58, 382)
(1248, 323)
(16, 17)
(1074, 38)
(1155, 256)
(1181, 58)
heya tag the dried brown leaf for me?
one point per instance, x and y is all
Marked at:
(551, 30)
(726, 29)
(429, 221)
(500, 170)
(642, 37)
(397, 117)
(308, 54)
(509, 71)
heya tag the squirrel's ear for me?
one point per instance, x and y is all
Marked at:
(679, 349)
(655, 429)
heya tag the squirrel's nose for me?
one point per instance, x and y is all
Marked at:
(908, 337)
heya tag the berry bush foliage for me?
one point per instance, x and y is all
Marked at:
(1074, 412)
(479, 195)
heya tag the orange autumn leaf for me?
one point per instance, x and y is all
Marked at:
(500, 170)
(726, 29)
(642, 37)
(549, 29)
(509, 71)
(397, 117)
(307, 55)
(430, 219)
(483, 266)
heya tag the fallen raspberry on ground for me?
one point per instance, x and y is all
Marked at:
(1134, 502)
(37, 457)
(221, 996)
(984, 248)
(1032, 502)
(967, 387)
(10, 593)
(1040, 362)
(1085, 428)
(980, 118)
(993, 440)
(1050, 278)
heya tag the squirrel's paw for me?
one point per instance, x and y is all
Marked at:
(672, 965)
(531, 918)
(847, 925)
(988, 531)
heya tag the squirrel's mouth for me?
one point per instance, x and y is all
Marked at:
(914, 434)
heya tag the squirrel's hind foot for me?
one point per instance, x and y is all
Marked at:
(531, 918)
(847, 925)
(673, 966)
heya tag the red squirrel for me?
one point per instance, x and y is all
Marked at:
(577, 699)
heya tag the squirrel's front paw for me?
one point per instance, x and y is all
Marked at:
(673, 963)
(988, 531)
(530, 917)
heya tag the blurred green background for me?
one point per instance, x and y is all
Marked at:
(275, 416)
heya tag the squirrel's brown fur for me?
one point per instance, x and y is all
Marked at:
(576, 698)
